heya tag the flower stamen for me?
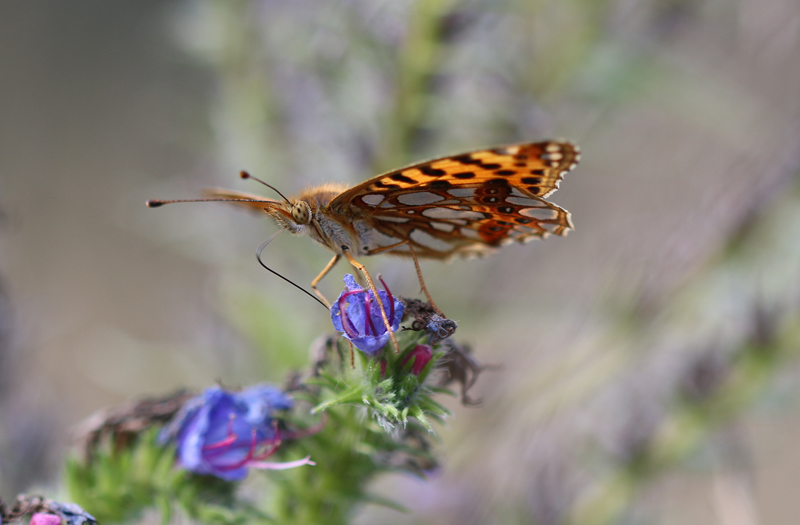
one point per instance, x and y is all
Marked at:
(247, 458)
(391, 298)
(369, 324)
(348, 326)
(220, 447)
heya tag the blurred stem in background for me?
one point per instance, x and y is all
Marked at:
(419, 60)
(758, 269)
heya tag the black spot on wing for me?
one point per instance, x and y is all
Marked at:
(466, 159)
(399, 177)
(432, 172)
(440, 185)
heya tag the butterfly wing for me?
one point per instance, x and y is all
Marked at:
(467, 204)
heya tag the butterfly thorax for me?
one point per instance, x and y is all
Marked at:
(329, 226)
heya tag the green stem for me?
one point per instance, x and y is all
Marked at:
(420, 58)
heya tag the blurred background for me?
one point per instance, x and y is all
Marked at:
(648, 360)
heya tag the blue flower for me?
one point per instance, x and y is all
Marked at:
(356, 313)
(222, 433)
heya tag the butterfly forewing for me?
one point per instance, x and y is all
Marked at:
(468, 203)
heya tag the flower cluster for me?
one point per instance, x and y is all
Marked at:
(221, 434)
(45, 512)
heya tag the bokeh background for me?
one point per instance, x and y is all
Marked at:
(648, 360)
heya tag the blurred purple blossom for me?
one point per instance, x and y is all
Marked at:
(223, 433)
(356, 313)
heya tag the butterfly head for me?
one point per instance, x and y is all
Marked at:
(301, 212)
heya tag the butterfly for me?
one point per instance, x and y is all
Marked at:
(461, 205)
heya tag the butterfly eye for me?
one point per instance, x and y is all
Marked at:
(301, 212)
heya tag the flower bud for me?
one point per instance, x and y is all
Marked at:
(421, 354)
(41, 518)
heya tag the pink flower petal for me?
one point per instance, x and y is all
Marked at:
(45, 519)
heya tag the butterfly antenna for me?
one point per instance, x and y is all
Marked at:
(258, 256)
(155, 203)
(246, 175)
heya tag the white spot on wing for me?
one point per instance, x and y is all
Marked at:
(461, 192)
(429, 241)
(447, 213)
(442, 226)
(386, 204)
(539, 213)
(419, 198)
(523, 201)
(470, 233)
(517, 193)
(373, 199)
(392, 219)
(379, 240)
(550, 227)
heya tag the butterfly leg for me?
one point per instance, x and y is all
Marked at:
(322, 274)
(422, 281)
(416, 265)
(363, 269)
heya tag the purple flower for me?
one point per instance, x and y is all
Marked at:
(70, 513)
(224, 433)
(357, 314)
(421, 354)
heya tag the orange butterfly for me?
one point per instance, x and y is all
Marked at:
(465, 204)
